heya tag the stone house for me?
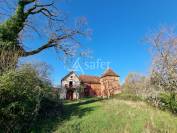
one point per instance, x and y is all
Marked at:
(74, 86)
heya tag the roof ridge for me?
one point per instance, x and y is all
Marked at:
(109, 72)
(71, 72)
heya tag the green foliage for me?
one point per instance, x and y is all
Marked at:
(165, 101)
(24, 98)
(9, 30)
(19, 93)
(50, 105)
(168, 101)
(10, 45)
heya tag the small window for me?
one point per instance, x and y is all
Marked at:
(71, 77)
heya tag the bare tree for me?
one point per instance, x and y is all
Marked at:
(164, 68)
(136, 84)
(109, 87)
(50, 24)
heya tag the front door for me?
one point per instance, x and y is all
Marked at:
(69, 95)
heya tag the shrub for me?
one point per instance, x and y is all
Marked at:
(23, 98)
(164, 101)
(168, 101)
(50, 105)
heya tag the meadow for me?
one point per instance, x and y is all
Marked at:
(110, 116)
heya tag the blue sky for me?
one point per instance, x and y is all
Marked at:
(119, 27)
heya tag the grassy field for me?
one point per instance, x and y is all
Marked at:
(110, 116)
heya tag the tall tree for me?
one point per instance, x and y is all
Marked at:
(164, 69)
(59, 35)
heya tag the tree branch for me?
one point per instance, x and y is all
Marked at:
(39, 9)
(26, 2)
(46, 46)
(38, 6)
(52, 43)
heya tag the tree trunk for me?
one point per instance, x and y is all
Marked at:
(8, 60)
(10, 49)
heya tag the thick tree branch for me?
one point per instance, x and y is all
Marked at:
(52, 43)
(26, 2)
(46, 46)
(44, 11)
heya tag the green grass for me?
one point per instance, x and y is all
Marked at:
(110, 116)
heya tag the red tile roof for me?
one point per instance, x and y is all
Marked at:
(89, 79)
(109, 72)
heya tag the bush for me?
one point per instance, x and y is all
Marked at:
(23, 98)
(168, 101)
(50, 105)
(164, 101)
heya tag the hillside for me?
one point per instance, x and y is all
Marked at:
(111, 116)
